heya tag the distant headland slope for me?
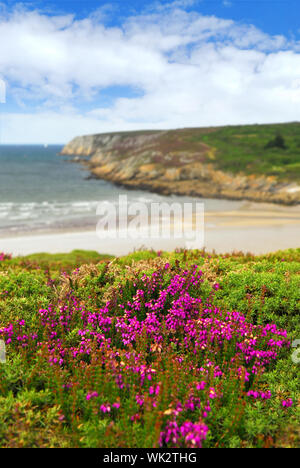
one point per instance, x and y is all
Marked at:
(253, 162)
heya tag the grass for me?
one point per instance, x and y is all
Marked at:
(243, 149)
(100, 394)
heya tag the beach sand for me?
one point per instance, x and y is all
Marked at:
(254, 228)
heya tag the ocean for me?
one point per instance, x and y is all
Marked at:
(42, 191)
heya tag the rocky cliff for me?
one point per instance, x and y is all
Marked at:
(174, 162)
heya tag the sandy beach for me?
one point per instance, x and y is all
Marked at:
(252, 228)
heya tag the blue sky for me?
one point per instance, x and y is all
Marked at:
(273, 16)
(75, 67)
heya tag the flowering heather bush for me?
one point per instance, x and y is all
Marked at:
(4, 256)
(143, 355)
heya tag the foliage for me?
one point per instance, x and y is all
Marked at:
(154, 349)
(277, 142)
(271, 150)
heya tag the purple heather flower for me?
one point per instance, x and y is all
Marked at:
(287, 403)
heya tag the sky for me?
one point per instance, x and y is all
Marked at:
(73, 67)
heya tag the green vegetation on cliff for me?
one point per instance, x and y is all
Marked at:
(237, 148)
(247, 148)
(255, 162)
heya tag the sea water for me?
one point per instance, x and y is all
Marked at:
(40, 190)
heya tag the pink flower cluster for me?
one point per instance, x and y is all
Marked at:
(263, 395)
(4, 256)
(104, 407)
(287, 403)
(186, 435)
(162, 311)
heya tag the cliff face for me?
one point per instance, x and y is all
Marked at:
(173, 162)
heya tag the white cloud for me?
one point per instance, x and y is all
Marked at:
(158, 6)
(192, 70)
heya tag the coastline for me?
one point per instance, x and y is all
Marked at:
(285, 196)
(247, 229)
(181, 162)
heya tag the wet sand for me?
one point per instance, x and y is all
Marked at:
(252, 228)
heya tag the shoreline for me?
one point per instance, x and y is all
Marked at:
(238, 211)
(223, 235)
(254, 240)
(183, 188)
(182, 162)
(282, 196)
(250, 227)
